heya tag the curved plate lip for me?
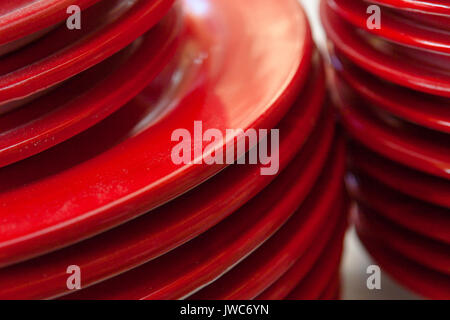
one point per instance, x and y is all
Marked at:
(435, 7)
(36, 16)
(322, 274)
(181, 281)
(420, 279)
(324, 246)
(413, 106)
(53, 125)
(422, 250)
(396, 29)
(395, 139)
(74, 213)
(91, 49)
(277, 256)
(406, 180)
(389, 68)
(413, 214)
(143, 239)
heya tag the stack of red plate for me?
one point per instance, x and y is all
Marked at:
(392, 84)
(91, 121)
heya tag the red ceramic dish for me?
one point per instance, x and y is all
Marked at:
(89, 97)
(415, 215)
(64, 53)
(424, 281)
(173, 224)
(393, 28)
(332, 292)
(436, 21)
(212, 254)
(427, 252)
(411, 182)
(439, 7)
(274, 258)
(400, 70)
(408, 144)
(320, 277)
(323, 245)
(425, 110)
(103, 194)
(21, 18)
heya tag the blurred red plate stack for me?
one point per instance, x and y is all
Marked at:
(90, 123)
(392, 86)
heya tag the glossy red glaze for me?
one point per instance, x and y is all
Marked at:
(394, 28)
(275, 257)
(415, 215)
(397, 69)
(425, 251)
(423, 109)
(332, 292)
(122, 167)
(319, 278)
(440, 7)
(21, 18)
(89, 97)
(413, 146)
(212, 254)
(64, 53)
(323, 246)
(411, 182)
(426, 282)
(180, 220)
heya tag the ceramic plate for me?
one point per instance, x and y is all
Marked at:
(439, 7)
(21, 18)
(427, 252)
(212, 254)
(123, 167)
(424, 281)
(411, 145)
(275, 257)
(319, 278)
(175, 223)
(64, 53)
(89, 97)
(411, 182)
(423, 109)
(323, 246)
(415, 215)
(398, 69)
(394, 28)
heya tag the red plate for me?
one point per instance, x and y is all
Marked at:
(324, 246)
(64, 53)
(212, 254)
(414, 183)
(424, 281)
(427, 252)
(21, 18)
(178, 221)
(319, 278)
(440, 22)
(439, 7)
(332, 292)
(420, 108)
(89, 97)
(415, 215)
(401, 70)
(393, 28)
(403, 142)
(125, 167)
(274, 258)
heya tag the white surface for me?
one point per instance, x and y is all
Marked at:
(356, 260)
